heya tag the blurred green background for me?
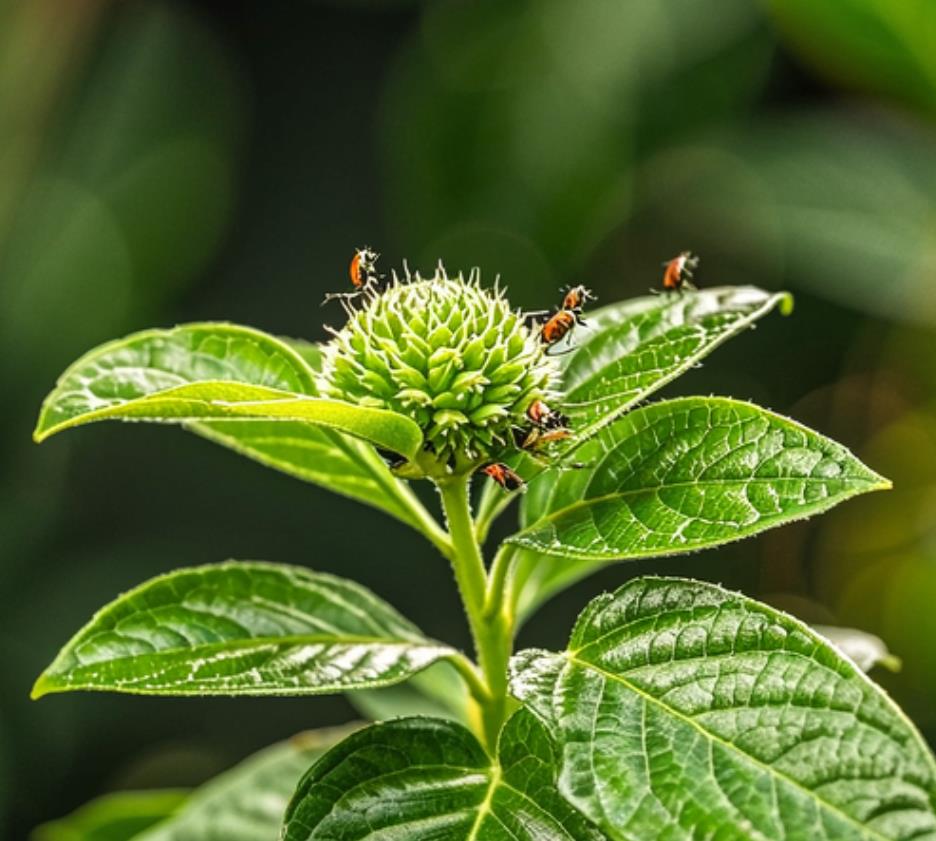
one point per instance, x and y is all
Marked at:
(163, 162)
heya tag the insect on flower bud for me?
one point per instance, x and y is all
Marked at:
(451, 355)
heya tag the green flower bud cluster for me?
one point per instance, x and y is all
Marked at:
(451, 355)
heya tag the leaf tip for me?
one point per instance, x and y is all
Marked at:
(882, 484)
(42, 686)
(891, 662)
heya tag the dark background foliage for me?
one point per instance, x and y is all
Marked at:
(163, 162)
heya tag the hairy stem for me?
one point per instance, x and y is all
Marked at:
(492, 632)
(402, 493)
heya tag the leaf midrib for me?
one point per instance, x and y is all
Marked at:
(585, 664)
(630, 492)
(293, 639)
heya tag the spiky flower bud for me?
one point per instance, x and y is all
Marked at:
(451, 355)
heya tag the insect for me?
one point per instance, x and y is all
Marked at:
(558, 325)
(531, 440)
(539, 414)
(364, 277)
(363, 269)
(576, 297)
(678, 272)
(504, 476)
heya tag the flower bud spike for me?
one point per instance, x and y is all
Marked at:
(449, 354)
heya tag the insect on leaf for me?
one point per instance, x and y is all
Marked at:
(683, 475)
(636, 347)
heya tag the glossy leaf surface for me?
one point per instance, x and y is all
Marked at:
(242, 629)
(682, 706)
(247, 803)
(689, 474)
(204, 372)
(425, 778)
(631, 349)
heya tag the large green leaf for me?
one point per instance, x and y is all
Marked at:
(674, 477)
(688, 474)
(204, 372)
(682, 711)
(242, 628)
(636, 347)
(426, 778)
(120, 816)
(630, 350)
(247, 803)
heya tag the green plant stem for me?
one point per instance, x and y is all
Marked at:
(402, 493)
(492, 632)
(498, 596)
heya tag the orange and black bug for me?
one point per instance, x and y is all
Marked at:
(364, 277)
(363, 268)
(504, 476)
(539, 414)
(678, 272)
(576, 297)
(557, 327)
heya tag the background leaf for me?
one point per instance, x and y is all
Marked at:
(242, 629)
(678, 476)
(120, 816)
(865, 649)
(436, 692)
(247, 803)
(422, 778)
(871, 44)
(680, 704)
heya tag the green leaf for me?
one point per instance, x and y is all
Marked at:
(202, 372)
(242, 628)
(120, 816)
(425, 778)
(247, 803)
(674, 477)
(630, 350)
(690, 474)
(635, 348)
(681, 705)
